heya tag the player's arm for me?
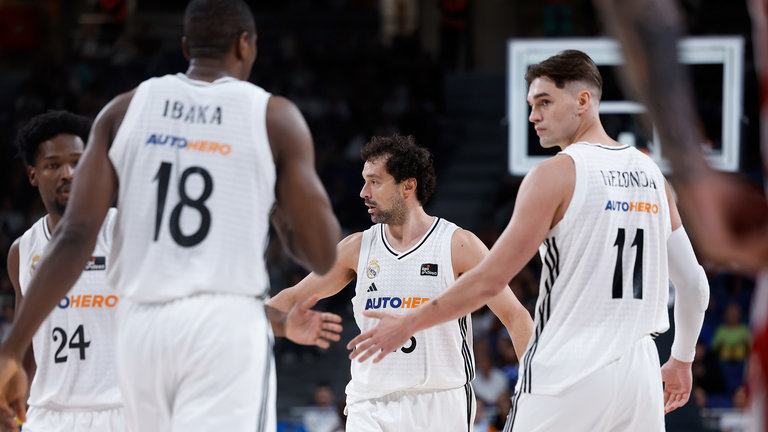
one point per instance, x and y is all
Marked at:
(13, 274)
(691, 300)
(303, 217)
(289, 312)
(466, 252)
(93, 191)
(727, 217)
(545, 190)
(304, 325)
(649, 31)
(322, 286)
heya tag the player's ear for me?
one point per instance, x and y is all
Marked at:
(185, 48)
(409, 186)
(243, 45)
(584, 99)
(32, 174)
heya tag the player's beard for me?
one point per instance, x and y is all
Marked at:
(394, 215)
(58, 207)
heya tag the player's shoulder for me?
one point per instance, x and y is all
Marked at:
(466, 250)
(13, 254)
(351, 243)
(558, 169)
(462, 237)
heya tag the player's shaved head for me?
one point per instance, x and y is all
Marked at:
(211, 27)
(566, 67)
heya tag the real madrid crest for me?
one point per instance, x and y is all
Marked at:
(33, 266)
(373, 269)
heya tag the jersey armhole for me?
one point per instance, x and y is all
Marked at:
(116, 152)
(579, 190)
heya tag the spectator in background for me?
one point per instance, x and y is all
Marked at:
(323, 416)
(7, 321)
(700, 395)
(503, 405)
(706, 370)
(732, 338)
(510, 364)
(490, 381)
(454, 37)
(482, 422)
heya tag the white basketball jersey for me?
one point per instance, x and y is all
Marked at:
(604, 282)
(197, 182)
(434, 359)
(74, 347)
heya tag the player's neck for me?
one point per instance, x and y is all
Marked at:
(52, 220)
(416, 224)
(591, 132)
(207, 69)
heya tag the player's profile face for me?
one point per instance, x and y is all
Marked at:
(54, 168)
(553, 112)
(382, 194)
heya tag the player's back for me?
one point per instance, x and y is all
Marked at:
(196, 188)
(604, 282)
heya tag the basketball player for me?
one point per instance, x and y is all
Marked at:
(201, 159)
(730, 218)
(403, 261)
(75, 382)
(608, 230)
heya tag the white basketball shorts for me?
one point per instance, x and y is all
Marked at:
(443, 410)
(41, 419)
(625, 395)
(202, 363)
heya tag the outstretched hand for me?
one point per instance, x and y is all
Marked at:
(728, 219)
(390, 333)
(13, 391)
(678, 380)
(308, 327)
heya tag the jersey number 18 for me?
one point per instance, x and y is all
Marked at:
(163, 177)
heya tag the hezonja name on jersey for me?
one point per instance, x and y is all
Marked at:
(394, 302)
(627, 179)
(202, 114)
(191, 145)
(88, 301)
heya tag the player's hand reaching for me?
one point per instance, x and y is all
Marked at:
(678, 380)
(13, 391)
(390, 333)
(307, 327)
(728, 218)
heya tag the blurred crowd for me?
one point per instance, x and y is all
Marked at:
(350, 83)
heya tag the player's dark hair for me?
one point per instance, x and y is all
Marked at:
(568, 66)
(405, 160)
(46, 126)
(213, 26)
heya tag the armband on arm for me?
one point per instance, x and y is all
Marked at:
(691, 294)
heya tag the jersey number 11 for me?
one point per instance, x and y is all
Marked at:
(637, 270)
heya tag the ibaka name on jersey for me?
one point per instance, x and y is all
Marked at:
(200, 114)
